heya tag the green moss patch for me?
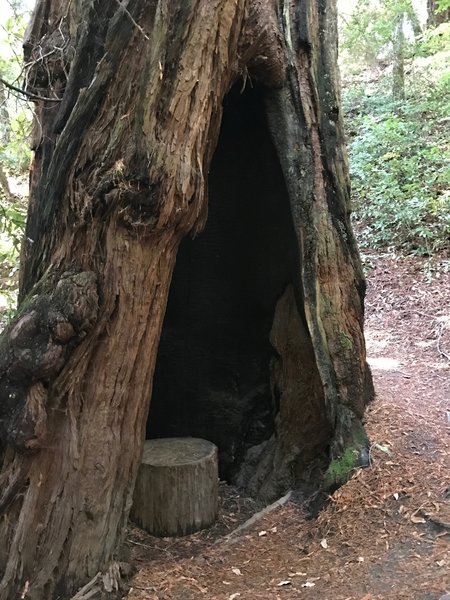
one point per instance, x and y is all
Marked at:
(340, 469)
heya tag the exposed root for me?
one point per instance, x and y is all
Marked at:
(109, 582)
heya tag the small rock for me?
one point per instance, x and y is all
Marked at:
(445, 597)
(363, 458)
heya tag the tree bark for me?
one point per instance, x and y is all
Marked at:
(435, 16)
(119, 178)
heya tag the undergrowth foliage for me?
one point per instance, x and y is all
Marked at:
(15, 126)
(399, 160)
(15, 113)
(400, 151)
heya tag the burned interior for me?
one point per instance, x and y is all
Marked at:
(217, 373)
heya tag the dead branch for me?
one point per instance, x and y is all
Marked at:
(29, 95)
(130, 16)
(438, 345)
(93, 587)
(256, 517)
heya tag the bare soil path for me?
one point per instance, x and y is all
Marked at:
(386, 533)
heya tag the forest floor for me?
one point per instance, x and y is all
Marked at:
(383, 535)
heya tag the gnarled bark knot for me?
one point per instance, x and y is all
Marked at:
(34, 348)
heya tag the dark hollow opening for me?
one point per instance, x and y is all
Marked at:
(212, 377)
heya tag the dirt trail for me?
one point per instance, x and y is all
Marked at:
(386, 533)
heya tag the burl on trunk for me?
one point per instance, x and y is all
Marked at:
(132, 98)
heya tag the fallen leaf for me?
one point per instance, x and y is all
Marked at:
(308, 584)
(297, 574)
(382, 448)
(285, 582)
(236, 571)
(360, 559)
(396, 496)
(262, 533)
(233, 596)
(324, 543)
(273, 530)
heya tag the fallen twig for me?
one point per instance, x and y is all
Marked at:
(439, 349)
(259, 515)
(129, 541)
(90, 589)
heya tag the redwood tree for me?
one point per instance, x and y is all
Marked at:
(435, 16)
(129, 99)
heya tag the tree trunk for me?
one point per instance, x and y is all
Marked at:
(176, 488)
(435, 16)
(119, 178)
(398, 59)
(4, 184)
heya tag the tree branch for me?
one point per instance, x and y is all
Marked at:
(29, 95)
(130, 16)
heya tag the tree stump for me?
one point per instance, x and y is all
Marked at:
(177, 486)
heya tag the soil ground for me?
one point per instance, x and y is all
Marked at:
(383, 535)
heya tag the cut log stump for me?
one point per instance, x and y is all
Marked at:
(177, 486)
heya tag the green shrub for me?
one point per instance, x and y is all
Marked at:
(435, 40)
(400, 167)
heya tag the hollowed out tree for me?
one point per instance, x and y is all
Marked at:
(262, 345)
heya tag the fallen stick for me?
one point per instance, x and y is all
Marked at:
(90, 589)
(256, 517)
(439, 349)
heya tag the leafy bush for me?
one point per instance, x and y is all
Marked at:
(12, 221)
(400, 166)
(15, 152)
(371, 29)
(15, 114)
(435, 40)
(12, 225)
